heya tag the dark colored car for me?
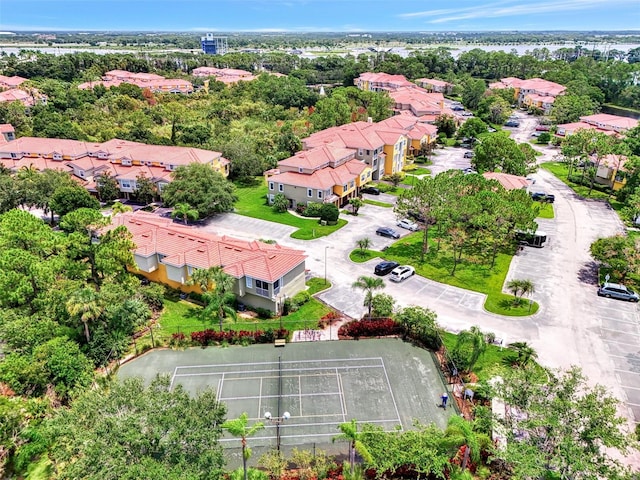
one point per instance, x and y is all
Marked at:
(416, 216)
(370, 190)
(512, 123)
(387, 232)
(543, 128)
(468, 154)
(543, 197)
(383, 268)
(617, 290)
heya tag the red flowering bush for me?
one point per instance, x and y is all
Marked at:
(370, 328)
(213, 337)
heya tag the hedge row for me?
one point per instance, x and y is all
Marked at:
(214, 337)
(370, 328)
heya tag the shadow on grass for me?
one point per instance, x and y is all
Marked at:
(511, 304)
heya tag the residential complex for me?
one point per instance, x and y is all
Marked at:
(123, 159)
(337, 162)
(266, 275)
(12, 90)
(434, 85)
(151, 81)
(532, 93)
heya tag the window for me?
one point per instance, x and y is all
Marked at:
(126, 161)
(249, 282)
(125, 184)
(270, 185)
(276, 287)
(81, 173)
(319, 194)
(14, 155)
(309, 192)
(57, 156)
(344, 187)
(280, 187)
(368, 152)
(262, 288)
(300, 169)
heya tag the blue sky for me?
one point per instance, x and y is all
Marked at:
(319, 15)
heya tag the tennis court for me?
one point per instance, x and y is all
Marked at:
(385, 382)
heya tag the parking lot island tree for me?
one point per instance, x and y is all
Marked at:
(368, 285)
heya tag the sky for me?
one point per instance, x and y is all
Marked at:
(318, 15)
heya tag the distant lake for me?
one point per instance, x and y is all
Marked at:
(620, 111)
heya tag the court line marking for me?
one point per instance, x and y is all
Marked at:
(621, 343)
(626, 371)
(345, 367)
(624, 356)
(327, 360)
(392, 396)
(260, 399)
(343, 407)
(299, 392)
(620, 331)
(287, 395)
(173, 377)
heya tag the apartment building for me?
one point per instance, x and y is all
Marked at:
(265, 274)
(123, 159)
(433, 85)
(381, 82)
(151, 81)
(533, 92)
(601, 122)
(224, 75)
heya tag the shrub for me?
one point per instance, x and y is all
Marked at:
(239, 337)
(370, 328)
(301, 297)
(329, 212)
(328, 318)
(263, 312)
(312, 209)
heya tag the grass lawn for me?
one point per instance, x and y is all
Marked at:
(633, 233)
(561, 171)
(418, 171)
(252, 203)
(361, 256)
(181, 316)
(495, 360)
(378, 204)
(470, 273)
(546, 210)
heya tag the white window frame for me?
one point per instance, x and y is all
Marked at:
(319, 194)
(248, 281)
(310, 192)
(270, 185)
(280, 187)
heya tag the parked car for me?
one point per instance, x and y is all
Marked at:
(543, 128)
(408, 224)
(536, 134)
(512, 123)
(468, 171)
(383, 268)
(467, 114)
(468, 154)
(617, 290)
(370, 190)
(491, 129)
(543, 197)
(416, 216)
(387, 232)
(400, 273)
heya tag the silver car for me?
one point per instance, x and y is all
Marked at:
(617, 290)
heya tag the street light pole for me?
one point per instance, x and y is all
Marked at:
(277, 421)
(325, 264)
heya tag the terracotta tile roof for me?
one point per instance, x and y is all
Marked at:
(508, 181)
(616, 162)
(542, 86)
(46, 146)
(433, 81)
(39, 163)
(318, 156)
(623, 123)
(323, 179)
(13, 81)
(188, 246)
(573, 127)
(534, 97)
(419, 101)
(14, 95)
(351, 135)
(385, 80)
(7, 128)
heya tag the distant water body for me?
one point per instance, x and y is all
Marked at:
(402, 51)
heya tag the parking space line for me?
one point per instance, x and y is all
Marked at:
(626, 371)
(618, 356)
(618, 320)
(630, 388)
(620, 331)
(621, 343)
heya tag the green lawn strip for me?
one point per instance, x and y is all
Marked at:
(470, 275)
(561, 171)
(361, 256)
(252, 203)
(495, 361)
(418, 171)
(378, 204)
(633, 233)
(546, 210)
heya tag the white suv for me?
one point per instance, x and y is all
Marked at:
(400, 273)
(408, 224)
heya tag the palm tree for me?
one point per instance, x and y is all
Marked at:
(356, 203)
(459, 432)
(185, 211)
(363, 244)
(238, 428)
(350, 434)
(525, 353)
(85, 304)
(369, 285)
(477, 339)
(219, 300)
(526, 287)
(514, 286)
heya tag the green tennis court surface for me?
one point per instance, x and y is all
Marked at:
(385, 382)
